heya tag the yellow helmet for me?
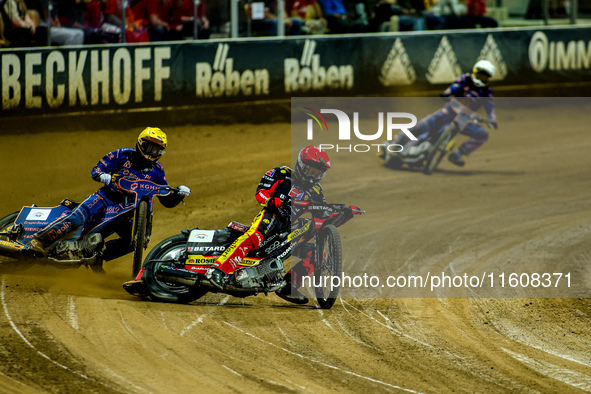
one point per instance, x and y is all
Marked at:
(151, 143)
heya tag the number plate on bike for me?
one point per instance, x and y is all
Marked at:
(199, 236)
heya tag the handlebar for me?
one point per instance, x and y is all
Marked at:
(150, 189)
(462, 109)
(357, 211)
(334, 208)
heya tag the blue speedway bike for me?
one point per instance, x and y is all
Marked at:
(428, 154)
(86, 244)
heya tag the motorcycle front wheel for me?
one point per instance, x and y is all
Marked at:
(141, 223)
(160, 290)
(439, 149)
(329, 263)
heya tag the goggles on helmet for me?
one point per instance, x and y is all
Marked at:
(482, 75)
(151, 149)
(312, 172)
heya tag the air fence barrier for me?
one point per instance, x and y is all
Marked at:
(124, 77)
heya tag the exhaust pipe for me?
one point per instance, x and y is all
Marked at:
(11, 250)
(176, 275)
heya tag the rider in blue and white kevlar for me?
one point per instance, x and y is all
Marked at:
(474, 87)
(140, 163)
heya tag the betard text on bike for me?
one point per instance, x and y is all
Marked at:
(390, 122)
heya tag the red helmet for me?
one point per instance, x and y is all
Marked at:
(312, 165)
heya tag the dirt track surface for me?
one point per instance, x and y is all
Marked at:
(525, 196)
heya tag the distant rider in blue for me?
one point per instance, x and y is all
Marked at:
(475, 86)
(139, 163)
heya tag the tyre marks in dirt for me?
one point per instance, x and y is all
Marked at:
(39, 357)
(575, 379)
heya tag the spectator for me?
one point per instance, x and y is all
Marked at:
(412, 18)
(22, 25)
(152, 15)
(310, 14)
(71, 13)
(421, 18)
(4, 23)
(135, 31)
(93, 14)
(95, 21)
(476, 15)
(268, 25)
(336, 16)
(181, 14)
(383, 11)
(410, 15)
(357, 13)
(58, 35)
(112, 12)
(64, 35)
(3, 41)
(452, 12)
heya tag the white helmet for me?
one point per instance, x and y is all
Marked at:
(483, 70)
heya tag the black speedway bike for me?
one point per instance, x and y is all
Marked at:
(174, 271)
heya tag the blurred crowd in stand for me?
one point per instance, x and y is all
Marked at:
(26, 23)
(366, 16)
(76, 22)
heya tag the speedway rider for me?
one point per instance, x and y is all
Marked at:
(139, 163)
(473, 86)
(275, 193)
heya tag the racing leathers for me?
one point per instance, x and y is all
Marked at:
(474, 97)
(276, 193)
(124, 162)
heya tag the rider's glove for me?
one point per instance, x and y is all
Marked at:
(105, 178)
(494, 125)
(280, 207)
(275, 202)
(184, 191)
(279, 202)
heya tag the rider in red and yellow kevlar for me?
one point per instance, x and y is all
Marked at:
(275, 194)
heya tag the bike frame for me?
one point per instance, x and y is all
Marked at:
(303, 228)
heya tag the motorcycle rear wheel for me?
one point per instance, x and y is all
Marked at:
(439, 149)
(141, 222)
(162, 291)
(329, 262)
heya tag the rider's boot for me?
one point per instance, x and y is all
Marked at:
(456, 158)
(289, 292)
(97, 266)
(35, 248)
(292, 295)
(216, 277)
